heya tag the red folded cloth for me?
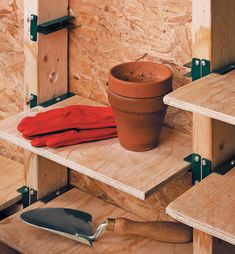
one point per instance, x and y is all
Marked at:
(69, 126)
(67, 118)
(73, 137)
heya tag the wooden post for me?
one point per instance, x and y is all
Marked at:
(46, 77)
(214, 40)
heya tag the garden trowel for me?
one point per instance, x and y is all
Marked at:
(77, 225)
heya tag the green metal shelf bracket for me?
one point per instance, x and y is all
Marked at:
(201, 167)
(33, 100)
(199, 68)
(48, 27)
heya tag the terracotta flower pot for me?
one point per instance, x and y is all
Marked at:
(136, 92)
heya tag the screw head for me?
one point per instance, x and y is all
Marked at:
(31, 192)
(196, 158)
(26, 189)
(232, 162)
(57, 193)
(203, 63)
(197, 62)
(31, 17)
(203, 162)
(196, 182)
(31, 37)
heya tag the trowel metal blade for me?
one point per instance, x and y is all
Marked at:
(70, 223)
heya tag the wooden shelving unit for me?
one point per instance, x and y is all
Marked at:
(209, 206)
(138, 174)
(11, 179)
(211, 99)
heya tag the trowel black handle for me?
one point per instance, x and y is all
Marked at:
(164, 231)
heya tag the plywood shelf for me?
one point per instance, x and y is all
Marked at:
(212, 96)
(209, 206)
(138, 174)
(11, 179)
(29, 240)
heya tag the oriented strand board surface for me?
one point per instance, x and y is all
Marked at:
(151, 209)
(209, 206)
(11, 179)
(11, 66)
(138, 174)
(30, 240)
(212, 96)
(111, 32)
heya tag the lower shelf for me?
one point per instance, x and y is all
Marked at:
(209, 206)
(11, 179)
(29, 240)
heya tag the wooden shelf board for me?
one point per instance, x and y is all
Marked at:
(27, 239)
(11, 179)
(209, 206)
(212, 96)
(138, 174)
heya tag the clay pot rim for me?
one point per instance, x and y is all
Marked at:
(136, 105)
(156, 82)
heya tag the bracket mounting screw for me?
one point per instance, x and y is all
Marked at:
(203, 63)
(196, 158)
(197, 62)
(203, 162)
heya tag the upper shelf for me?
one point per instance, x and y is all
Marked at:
(212, 96)
(138, 174)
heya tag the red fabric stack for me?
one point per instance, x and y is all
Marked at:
(69, 126)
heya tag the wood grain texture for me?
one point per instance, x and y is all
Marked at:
(222, 33)
(11, 67)
(138, 174)
(214, 199)
(202, 135)
(213, 36)
(211, 96)
(25, 238)
(45, 75)
(11, 179)
(108, 33)
(151, 209)
(43, 175)
(202, 243)
(201, 29)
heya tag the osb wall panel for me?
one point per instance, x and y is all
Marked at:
(109, 32)
(11, 66)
